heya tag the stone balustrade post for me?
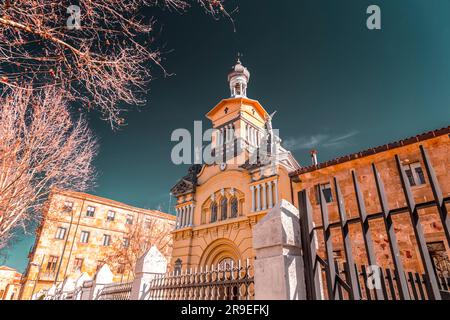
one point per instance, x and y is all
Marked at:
(278, 266)
(148, 266)
(103, 277)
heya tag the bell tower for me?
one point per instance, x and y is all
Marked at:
(238, 79)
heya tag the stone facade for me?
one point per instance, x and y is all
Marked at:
(78, 232)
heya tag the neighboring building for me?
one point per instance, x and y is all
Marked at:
(219, 203)
(80, 232)
(9, 283)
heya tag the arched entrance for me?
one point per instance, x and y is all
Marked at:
(221, 257)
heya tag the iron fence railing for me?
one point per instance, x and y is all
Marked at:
(116, 291)
(235, 281)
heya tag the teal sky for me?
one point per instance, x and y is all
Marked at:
(337, 86)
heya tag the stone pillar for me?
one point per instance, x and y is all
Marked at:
(264, 199)
(253, 198)
(103, 277)
(68, 286)
(148, 266)
(279, 270)
(183, 217)
(191, 218)
(269, 184)
(79, 285)
(177, 218)
(258, 197)
(276, 191)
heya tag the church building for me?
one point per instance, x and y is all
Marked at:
(219, 203)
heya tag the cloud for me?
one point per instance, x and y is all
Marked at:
(319, 140)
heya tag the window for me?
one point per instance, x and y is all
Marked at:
(327, 194)
(415, 174)
(213, 212)
(178, 265)
(90, 211)
(224, 209)
(77, 264)
(234, 207)
(61, 233)
(51, 264)
(129, 219)
(111, 215)
(84, 236)
(68, 205)
(106, 240)
(126, 242)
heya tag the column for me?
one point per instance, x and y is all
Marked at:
(276, 191)
(177, 221)
(269, 184)
(191, 222)
(264, 200)
(252, 188)
(183, 217)
(258, 197)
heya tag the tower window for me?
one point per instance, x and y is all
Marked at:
(178, 265)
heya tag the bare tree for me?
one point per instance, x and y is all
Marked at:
(40, 149)
(98, 51)
(140, 238)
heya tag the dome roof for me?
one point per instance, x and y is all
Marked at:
(239, 70)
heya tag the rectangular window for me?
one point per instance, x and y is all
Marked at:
(84, 236)
(106, 240)
(130, 219)
(77, 264)
(327, 193)
(61, 233)
(51, 264)
(68, 205)
(90, 211)
(126, 242)
(111, 215)
(148, 223)
(415, 174)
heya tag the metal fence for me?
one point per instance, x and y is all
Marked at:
(235, 281)
(349, 280)
(116, 291)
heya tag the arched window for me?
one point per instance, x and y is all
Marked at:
(224, 209)
(213, 212)
(234, 207)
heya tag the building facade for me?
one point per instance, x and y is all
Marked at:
(9, 283)
(81, 232)
(219, 202)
